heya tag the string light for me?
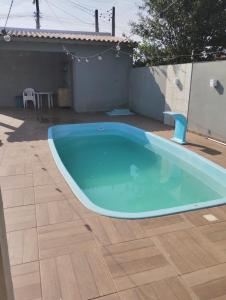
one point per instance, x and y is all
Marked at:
(118, 48)
(99, 55)
(6, 36)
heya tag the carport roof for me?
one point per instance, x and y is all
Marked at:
(64, 35)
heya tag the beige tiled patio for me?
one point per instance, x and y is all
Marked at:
(60, 250)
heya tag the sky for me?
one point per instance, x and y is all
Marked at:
(75, 15)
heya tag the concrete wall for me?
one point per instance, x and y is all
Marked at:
(207, 108)
(22, 69)
(178, 81)
(147, 91)
(98, 85)
(154, 90)
(101, 85)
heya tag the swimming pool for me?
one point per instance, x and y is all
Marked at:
(121, 171)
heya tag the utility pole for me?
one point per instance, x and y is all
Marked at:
(37, 14)
(96, 21)
(113, 21)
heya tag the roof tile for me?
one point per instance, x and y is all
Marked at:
(65, 35)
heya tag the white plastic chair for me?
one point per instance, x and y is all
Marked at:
(29, 95)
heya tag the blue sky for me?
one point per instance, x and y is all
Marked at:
(71, 14)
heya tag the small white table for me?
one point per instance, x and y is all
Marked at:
(41, 96)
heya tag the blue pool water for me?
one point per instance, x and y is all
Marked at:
(119, 172)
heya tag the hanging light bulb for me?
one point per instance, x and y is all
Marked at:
(100, 57)
(118, 48)
(7, 38)
(162, 21)
(78, 59)
(87, 60)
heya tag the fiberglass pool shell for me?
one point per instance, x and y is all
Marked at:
(148, 176)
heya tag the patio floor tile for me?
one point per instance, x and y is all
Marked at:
(80, 275)
(110, 231)
(42, 178)
(21, 217)
(26, 281)
(190, 251)
(23, 246)
(8, 169)
(216, 234)
(63, 238)
(136, 263)
(208, 283)
(65, 189)
(197, 219)
(54, 212)
(47, 193)
(18, 197)
(169, 288)
(155, 226)
(16, 181)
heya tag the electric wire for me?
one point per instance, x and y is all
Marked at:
(7, 18)
(67, 13)
(53, 11)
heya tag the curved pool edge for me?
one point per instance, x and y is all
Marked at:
(80, 195)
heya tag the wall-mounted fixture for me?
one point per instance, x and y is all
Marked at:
(213, 83)
(177, 82)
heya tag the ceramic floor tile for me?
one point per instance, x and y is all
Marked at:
(80, 275)
(48, 193)
(26, 281)
(23, 246)
(18, 197)
(21, 217)
(63, 238)
(54, 212)
(16, 181)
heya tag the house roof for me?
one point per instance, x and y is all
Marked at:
(64, 35)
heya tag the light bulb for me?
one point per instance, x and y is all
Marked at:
(100, 57)
(87, 60)
(162, 21)
(118, 47)
(7, 38)
(78, 60)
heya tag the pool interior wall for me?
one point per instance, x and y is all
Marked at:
(121, 171)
